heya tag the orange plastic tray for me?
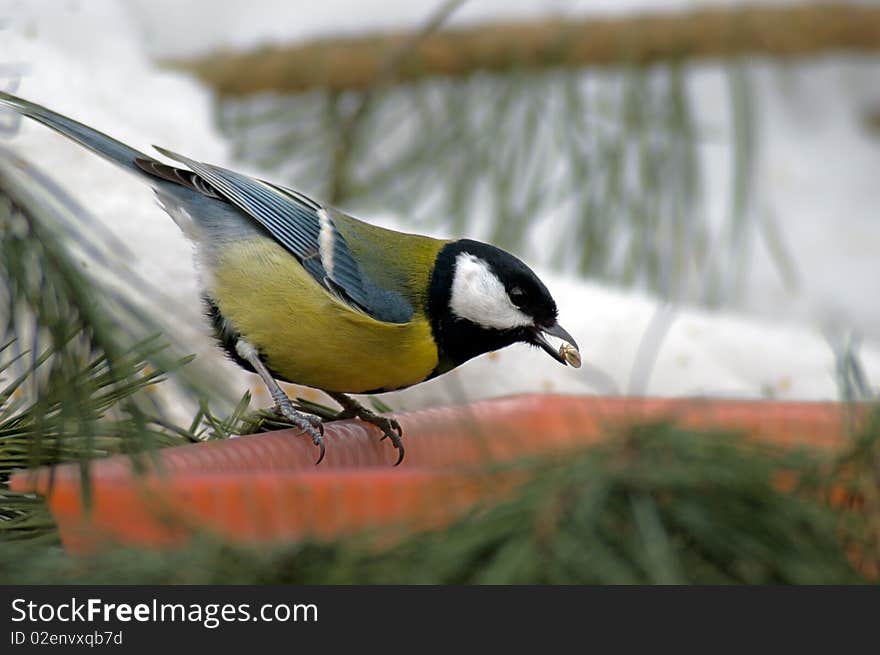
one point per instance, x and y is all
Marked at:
(266, 487)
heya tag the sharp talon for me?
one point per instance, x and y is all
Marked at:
(310, 425)
(389, 426)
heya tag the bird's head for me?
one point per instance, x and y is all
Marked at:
(483, 298)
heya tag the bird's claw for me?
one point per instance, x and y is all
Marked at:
(321, 451)
(400, 451)
(389, 426)
(390, 429)
(311, 425)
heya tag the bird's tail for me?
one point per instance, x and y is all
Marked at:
(96, 141)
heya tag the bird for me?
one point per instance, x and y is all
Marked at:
(298, 291)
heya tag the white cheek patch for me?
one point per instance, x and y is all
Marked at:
(479, 296)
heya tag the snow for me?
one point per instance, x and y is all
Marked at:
(91, 61)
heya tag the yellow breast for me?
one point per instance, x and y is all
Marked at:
(306, 335)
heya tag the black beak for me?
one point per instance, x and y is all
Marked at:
(567, 354)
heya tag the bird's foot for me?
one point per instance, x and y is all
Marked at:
(311, 425)
(389, 426)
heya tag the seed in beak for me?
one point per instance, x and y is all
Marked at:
(570, 354)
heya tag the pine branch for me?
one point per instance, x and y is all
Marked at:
(357, 63)
(77, 358)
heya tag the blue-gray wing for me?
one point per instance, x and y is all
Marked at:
(306, 230)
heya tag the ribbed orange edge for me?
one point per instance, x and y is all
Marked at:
(266, 487)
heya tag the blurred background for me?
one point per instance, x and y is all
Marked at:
(696, 180)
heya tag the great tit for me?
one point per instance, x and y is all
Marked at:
(300, 292)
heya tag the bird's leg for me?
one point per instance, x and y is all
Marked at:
(311, 425)
(353, 409)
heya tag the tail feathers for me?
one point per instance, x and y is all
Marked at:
(96, 141)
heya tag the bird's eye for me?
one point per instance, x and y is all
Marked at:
(517, 296)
